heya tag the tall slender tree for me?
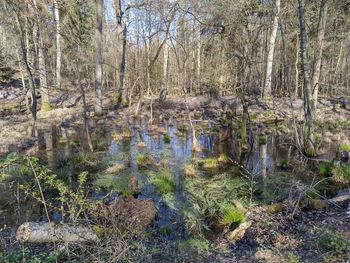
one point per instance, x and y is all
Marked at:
(99, 57)
(308, 140)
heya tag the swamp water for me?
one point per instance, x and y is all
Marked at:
(268, 168)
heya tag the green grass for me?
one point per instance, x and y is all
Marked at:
(224, 158)
(231, 215)
(163, 181)
(118, 184)
(200, 245)
(325, 168)
(210, 164)
(167, 138)
(166, 230)
(143, 160)
(344, 147)
(333, 241)
(341, 173)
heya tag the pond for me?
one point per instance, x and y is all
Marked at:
(269, 164)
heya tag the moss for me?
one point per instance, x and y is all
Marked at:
(45, 106)
(344, 147)
(163, 181)
(224, 158)
(210, 164)
(262, 139)
(167, 138)
(231, 215)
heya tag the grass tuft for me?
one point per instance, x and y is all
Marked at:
(163, 181)
(210, 164)
(344, 147)
(232, 215)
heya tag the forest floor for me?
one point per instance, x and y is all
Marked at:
(310, 236)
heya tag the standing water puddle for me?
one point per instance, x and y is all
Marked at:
(60, 145)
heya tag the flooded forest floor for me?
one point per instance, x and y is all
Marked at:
(151, 198)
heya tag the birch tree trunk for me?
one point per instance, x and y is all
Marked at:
(318, 52)
(99, 58)
(308, 129)
(164, 85)
(45, 101)
(268, 78)
(122, 64)
(58, 43)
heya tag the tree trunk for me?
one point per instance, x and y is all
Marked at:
(268, 78)
(308, 129)
(122, 64)
(45, 232)
(164, 85)
(318, 52)
(58, 43)
(99, 58)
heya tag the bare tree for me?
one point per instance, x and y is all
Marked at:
(99, 57)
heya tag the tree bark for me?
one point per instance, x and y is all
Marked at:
(308, 129)
(268, 78)
(99, 57)
(164, 85)
(30, 232)
(58, 43)
(319, 52)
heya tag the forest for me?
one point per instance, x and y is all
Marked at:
(174, 131)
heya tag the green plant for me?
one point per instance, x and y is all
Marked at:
(118, 183)
(201, 245)
(163, 181)
(143, 160)
(262, 139)
(344, 147)
(224, 158)
(167, 138)
(325, 168)
(231, 215)
(210, 164)
(333, 241)
(190, 171)
(166, 230)
(341, 173)
(309, 152)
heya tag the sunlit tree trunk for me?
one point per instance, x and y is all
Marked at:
(308, 129)
(99, 57)
(164, 85)
(268, 78)
(319, 52)
(58, 43)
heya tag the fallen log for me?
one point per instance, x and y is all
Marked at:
(31, 232)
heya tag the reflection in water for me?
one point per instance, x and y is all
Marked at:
(60, 143)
